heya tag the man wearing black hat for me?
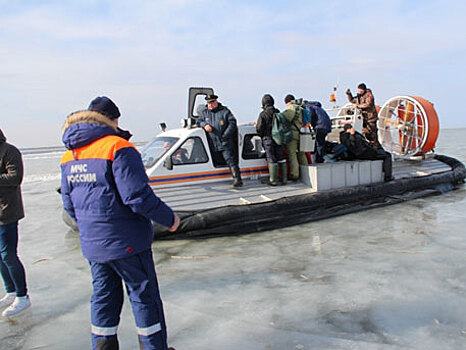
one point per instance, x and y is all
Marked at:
(222, 131)
(364, 100)
(105, 190)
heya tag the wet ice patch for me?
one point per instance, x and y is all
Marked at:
(31, 179)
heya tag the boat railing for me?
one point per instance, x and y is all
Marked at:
(340, 116)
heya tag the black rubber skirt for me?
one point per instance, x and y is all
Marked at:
(299, 209)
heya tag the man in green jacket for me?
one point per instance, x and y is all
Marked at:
(293, 113)
(16, 298)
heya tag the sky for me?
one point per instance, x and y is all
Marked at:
(56, 56)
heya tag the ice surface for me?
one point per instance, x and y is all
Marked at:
(388, 278)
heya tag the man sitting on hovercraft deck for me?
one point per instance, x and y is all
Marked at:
(360, 148)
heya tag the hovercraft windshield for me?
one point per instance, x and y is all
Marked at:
(156, 149)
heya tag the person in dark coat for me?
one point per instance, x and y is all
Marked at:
(273, 151)
(322, 125)
(222, 132)
(360, 148)
(364, 100)
(12, 271)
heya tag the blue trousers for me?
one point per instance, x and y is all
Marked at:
(138, 274)
(11, 268)
(320, 145)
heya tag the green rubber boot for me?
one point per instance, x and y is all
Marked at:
(273, 174)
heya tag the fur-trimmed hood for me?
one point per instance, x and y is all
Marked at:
(90, 117)
(84, 127)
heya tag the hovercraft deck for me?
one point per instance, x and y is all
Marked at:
(217, 210)
(220, 194)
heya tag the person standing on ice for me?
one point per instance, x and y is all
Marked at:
(364, 100)
(105, 189)
(16, 298)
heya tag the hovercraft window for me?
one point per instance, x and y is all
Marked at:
(252, 147)
(153, 151)
(192, 151)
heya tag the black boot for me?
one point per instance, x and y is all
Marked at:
(284, 172)
(107, 344)
(235, 172)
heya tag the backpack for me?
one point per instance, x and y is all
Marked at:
(306, 115)
(281, 129)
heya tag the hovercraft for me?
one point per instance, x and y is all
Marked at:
(182, 172)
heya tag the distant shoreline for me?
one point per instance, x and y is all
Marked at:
(46, 149)
(43, 149)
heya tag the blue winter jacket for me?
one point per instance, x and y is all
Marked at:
(105, 189)
(319, 117)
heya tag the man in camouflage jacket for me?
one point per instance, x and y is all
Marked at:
(364, 100)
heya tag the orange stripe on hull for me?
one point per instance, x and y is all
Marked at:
(243, 170)
(202, 176)
(192, 180)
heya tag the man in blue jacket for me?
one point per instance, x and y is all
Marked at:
(321, 124)
(105, 189)
(222, 132)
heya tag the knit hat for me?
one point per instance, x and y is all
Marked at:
(105, 106)
(362, 86)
